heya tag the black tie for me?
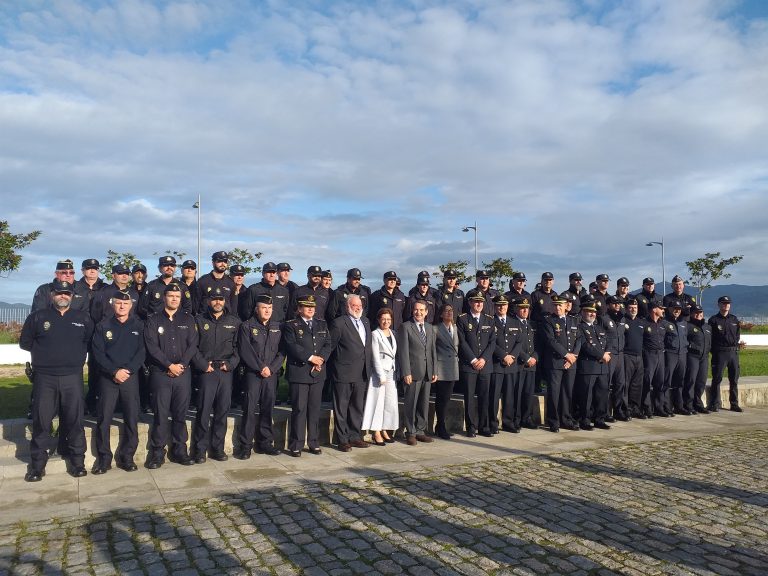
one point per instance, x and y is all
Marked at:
(309, 325)
(423, 335)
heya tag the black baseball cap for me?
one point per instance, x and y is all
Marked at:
(236, 269)
(220, 256)
(269, 267)
(62, 286)
(120, 268)
(139, 268)
(284, 267)
(166, 261)
(65, 265)
(91, 264)
(354, 273)
(189, 264)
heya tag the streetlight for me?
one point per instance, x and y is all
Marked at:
(467, 229)
(198, 205)
(663, 270)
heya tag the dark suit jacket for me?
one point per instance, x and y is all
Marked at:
(299, 344)
(477, 339)
(594, 342)
(526, 341)
(416, 359)
(507, 342)
(559, 340)
(352, 361)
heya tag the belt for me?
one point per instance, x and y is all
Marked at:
(726, 349)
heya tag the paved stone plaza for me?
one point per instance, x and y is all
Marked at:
(694, 505)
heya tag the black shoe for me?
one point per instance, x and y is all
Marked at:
(444, 435)
(269, 451)
(242, 454)
(200, 459)
(294, 453)
(78, 472)
(494, 432)
(471, 434)
(623, 418)
(317, 451)
(34, 475)
(218, 456)
(610, 419)
(184, 460)
(736, 408)
(701, 410)
(98, 469)
(585, 426)
(602, 426)
(714, 408)
(554, 429)
(127, 466)
(487, 434)
(572, 426)
(530, 426)
(154, 464)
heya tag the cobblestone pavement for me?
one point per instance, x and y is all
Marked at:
(693, 506)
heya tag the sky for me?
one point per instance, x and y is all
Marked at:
(368, 134)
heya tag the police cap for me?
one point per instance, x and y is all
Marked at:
(500, 300)
(166, 261)
(62, 286)
(482, 274)
(475, 296)
(558, 299)
(172, 287)
(284, 267)
(121, 268)
(90, 264)
(189, 264)
(675, 304)
(623, 281)
(450, 273)
(354, 273)
(724, 300)
(519, 276)
(422, 280)
(547, 276)
(308, 301)
(589, 308)
(593, 285)
(648, 280)
(574, 276)
(326, 274)
(65, 265)
(695, 309)
(314, 271)
(139, 268)
(522, 302)
(587, 299)
(568, 296)
(236, 270)
(121, 295)
(677, 278)
(269, 267)
(613, 299)
(655, 304)
(216, 294)
(602, 278)
(263, 299)
(631, 301)
(391, 275)
(220, 256)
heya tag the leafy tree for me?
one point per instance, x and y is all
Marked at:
(115, 258)
(176, 254)
(10, 244)
(244, 257)
(460, 267)
(500, 270)
(708, 269)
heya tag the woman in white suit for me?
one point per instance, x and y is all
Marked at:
(381, 413)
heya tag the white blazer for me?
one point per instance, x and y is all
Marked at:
(384, 355)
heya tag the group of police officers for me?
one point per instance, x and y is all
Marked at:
(599, 357)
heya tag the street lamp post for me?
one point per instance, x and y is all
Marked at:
(199, 207)
(467, 229)
(663, 268)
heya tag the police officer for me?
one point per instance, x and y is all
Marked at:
(527, 360)
(622, 290)
(215, 362)
(675, 350)
(237, 273)
(284, 279)
(574, 287)
(542, 301)
(423, 293)
(171, 341)
(517, 289)
(65, 272)
(560, 352)
(139, 278)
(615, 330)
(153, 298)
(647, 297)
(217, 278)
(101, 305)
(653, 356)
(726, 334)
(307, 345)
(699, 346)
(483, 287)
(268, 286)
(352, 286)
(138, 283)
(591, 387)
(261, 354)
(320, 295)
(633, 359)
(477, 342)
(450, 293)
(189, 277)
(686, 300)
(88, 285)
(118, 350)
(601, 294)
(504, 383)
(58, 340)
(388, 296)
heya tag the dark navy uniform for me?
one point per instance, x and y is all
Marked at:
(301, 340)
(152, 302)
(653, 363)
(169, 340)
(686, 300)
(675, 350)
(118, 345)
(217, 350)
(454, 298)
(489, 295)
(646, 298)
(504, 385)
(208, 284)
(58, 344)
(395, 300)
(633, 363)
(726, 334)
(101, 305)
(615, 330)
(699, 346)
(259, 347)
(526, 375)
(281, 300)
(560, 338)
(591, 387)
(322, 297)
(338, 305)
(477, 339)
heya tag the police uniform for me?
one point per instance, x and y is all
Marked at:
(118, 345)
(101, 305)
(338, 305)
(58, 344)
(633, 362)
(42, 296)
(217, 351)
(290, 285)
(591, 389)
(280, 297)
(578, 293)
(560, 338)
(687, 301)
(653, 361)
(84, 292)
(726, 334)
(259, 347)
(477, 340)
(646, 298)
(488, 294)
(303, 339)
(601, 297)
(383, 298)
(615, 330)
(170, 340)
(526, 375)
(699, 346)
(454, 298)
(208, 284)
(192, 287)
(675, 350)
(152, 300)
(504, 384)
(321, 296)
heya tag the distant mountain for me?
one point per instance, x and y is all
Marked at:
(6, 305)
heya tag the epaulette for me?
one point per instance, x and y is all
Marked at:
(462, 314)
(488, 316)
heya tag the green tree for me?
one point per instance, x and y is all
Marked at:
(708, 269)
(244, 257)
(10, 244)
(460, 267)
(501, 271)
(113, 258)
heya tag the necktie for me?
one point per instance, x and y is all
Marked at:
(309, 325)
(360, 330)
(422, 334)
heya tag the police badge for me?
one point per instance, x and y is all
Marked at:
(160, 329)
(157, 295)
(46, 325)
(108, 334)
(205, 326)
(255, 331)
(301, 332)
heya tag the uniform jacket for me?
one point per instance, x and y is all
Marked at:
(217, 341)
(101, 304)
(633, 343)
(699, 338)
(259, 346)
(352, 361)
(383, 299)
(477, 339)
(414, 357)
(58, 343)
(594, 343)
(447, 349)
(527, 342)
(560, 337)
(726, 331)
(455, 299)
(170, 341)
(152, 299)
(299, 343)
(208, 283)
(322, 300)
(281, 300)
(686, 300)
(676, 336)
(119, 345)
(507, 342)
(615, 330)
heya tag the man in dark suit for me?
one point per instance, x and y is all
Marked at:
(592, 371)
(307, 345)
(477, 341)
(561, 349)
(417, 356)
(525, 377)
(504, 380)
(351, 342)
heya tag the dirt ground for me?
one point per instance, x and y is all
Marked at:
(12, 371)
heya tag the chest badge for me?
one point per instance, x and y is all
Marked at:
(160, 329)
(46, 325)
(205, 326)
(108, 334)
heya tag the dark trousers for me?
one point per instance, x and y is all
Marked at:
(653, 379)
(476, 399)
(617, 380)
(526, 384)
(259, 394)
(591, 397)
(695, 381)
(416, 407)
(443, 391)
(305, 414)
(348, 407)
(92, 395)
(170, 399)
(145, 388)
(559, 397)
(721, 359)
(214, 397)
(495, 393)
(674, 372)
(509, 389)
(62, 395)
(127, 394)
(633, 377)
